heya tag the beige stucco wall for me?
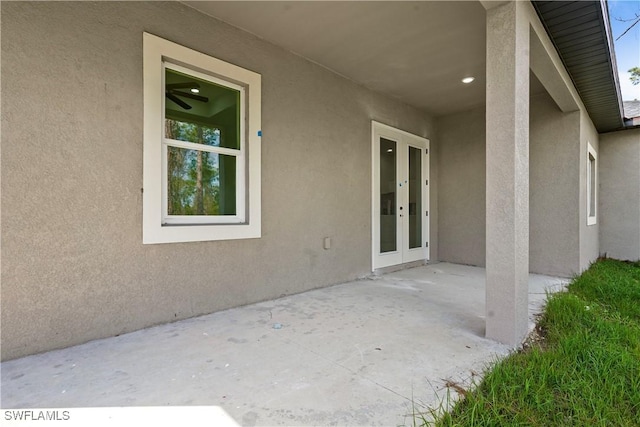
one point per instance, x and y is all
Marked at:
(461, 187)
(554, 141)
(553, 188)
(73, 264)
(619, 190)
(589, 234)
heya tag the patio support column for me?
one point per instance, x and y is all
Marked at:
(507, 185)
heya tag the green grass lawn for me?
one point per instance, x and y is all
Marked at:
(584, 372)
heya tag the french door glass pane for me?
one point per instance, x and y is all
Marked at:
(200, 183)
(415, 199)
(388, 196)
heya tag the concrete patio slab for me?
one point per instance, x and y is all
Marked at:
(367, 352)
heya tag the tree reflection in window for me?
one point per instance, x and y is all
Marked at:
(194, 176)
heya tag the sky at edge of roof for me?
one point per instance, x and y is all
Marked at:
(627, 49)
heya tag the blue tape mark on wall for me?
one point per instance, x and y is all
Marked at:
(259, 133)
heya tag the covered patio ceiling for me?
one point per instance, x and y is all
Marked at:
(419, 51)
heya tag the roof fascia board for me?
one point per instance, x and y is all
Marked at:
(613, 63)
(586, 52)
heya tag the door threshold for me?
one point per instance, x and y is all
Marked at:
(398, 267)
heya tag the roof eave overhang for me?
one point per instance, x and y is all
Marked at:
(592, 65)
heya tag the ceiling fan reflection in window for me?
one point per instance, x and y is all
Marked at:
(173, 93)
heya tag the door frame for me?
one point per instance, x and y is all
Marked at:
(404, 139)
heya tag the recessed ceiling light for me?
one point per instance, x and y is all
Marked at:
(195, 90)
(468, 80)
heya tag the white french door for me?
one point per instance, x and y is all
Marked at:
(400, 201)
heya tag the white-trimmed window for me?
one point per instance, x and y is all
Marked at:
(592, 185)
(201, 146)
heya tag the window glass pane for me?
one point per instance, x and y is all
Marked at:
(388, 223)
(200, 183)
(592, 185)
(415, 198)
(191, 132)
(200, 111)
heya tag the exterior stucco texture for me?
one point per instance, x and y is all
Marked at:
(461, 187)
(620, 194)
(589, 234)
(554, 196)
(554, 179)
(73, 264)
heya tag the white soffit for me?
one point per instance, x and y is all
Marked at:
(417, 51)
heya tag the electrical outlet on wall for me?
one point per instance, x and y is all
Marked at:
(327, 243)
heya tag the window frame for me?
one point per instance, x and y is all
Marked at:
(190, 228)
(239, 154)
(592, 185)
